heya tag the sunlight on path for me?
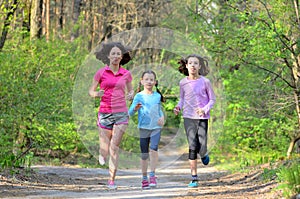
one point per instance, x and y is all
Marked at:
(172, 182)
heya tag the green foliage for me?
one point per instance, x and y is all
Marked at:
(251, 51)
(36, 97)
(289, 179)
(248, 47)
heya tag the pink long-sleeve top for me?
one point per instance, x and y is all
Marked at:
(196, 94)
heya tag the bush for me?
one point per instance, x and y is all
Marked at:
(289, 179)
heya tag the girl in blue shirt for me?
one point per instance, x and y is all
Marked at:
(150, 122)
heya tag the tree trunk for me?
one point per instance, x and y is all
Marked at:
(12, 9)
(292, 144)
(75, 16)
(36, 19)
(90, 20)
(295, 77)
(47, 16)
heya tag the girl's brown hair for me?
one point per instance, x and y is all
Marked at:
(162, 99)
(203, 62)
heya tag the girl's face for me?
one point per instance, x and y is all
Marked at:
(193, 65)
(115, 56)
(148, 81)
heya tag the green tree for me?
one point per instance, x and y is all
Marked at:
(260, 40)
(36, 114)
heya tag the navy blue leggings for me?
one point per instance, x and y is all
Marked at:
(149, 137)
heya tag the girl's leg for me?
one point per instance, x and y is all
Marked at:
(153, 160)
(154, 141)
(191, 128)
(116, 139)
(144, 165)
(144, 147)
(193, 166)
(202, 137)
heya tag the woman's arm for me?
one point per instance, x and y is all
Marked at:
(93, 92)
(130, 92)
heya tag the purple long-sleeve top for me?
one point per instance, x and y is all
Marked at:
(196, 94)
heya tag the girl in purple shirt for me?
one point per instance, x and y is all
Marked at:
(196, 100)
(114, 83)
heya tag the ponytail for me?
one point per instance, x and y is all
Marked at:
(162, 99)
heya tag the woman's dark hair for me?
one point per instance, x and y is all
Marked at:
(204, 70)
(105, 49)
(162, 99)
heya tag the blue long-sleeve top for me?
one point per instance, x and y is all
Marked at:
(150, 111)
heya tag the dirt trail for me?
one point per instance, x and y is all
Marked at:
(65, 182)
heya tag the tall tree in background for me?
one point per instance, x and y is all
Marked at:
(9, 10)
(36, 19)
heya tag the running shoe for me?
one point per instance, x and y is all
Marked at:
(205, 160)
(145, 184)
(101, 160)
(153, 182)
(193, 184)
(111, 185)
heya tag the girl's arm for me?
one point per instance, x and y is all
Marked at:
(211, 96)
(178, 107)
(135, 105)
(161, 120)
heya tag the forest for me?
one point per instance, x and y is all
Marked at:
(47, 64)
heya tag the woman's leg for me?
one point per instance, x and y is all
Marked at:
(104, 141)
(116, 139)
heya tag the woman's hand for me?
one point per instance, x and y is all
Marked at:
(100, 93)
(130, 95)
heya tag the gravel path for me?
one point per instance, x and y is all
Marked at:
(65, 182)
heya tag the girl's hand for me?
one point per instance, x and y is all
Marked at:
(138, 106)
(130, 95)
(200, 112)
(161, 121)
(176, 110)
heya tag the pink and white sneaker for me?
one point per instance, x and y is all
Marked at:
(145, 184)
(101, 160)
(153, 182)
(111, 185)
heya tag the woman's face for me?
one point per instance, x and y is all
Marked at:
(193, 65)
(115, 56)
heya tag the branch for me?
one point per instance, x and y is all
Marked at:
(297, 11)
(269, 71)
(275, 29)
(25, 152)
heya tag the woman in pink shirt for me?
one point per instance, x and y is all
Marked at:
(114, 83)
(196, 100)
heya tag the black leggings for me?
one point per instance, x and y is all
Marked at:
(196, 132)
